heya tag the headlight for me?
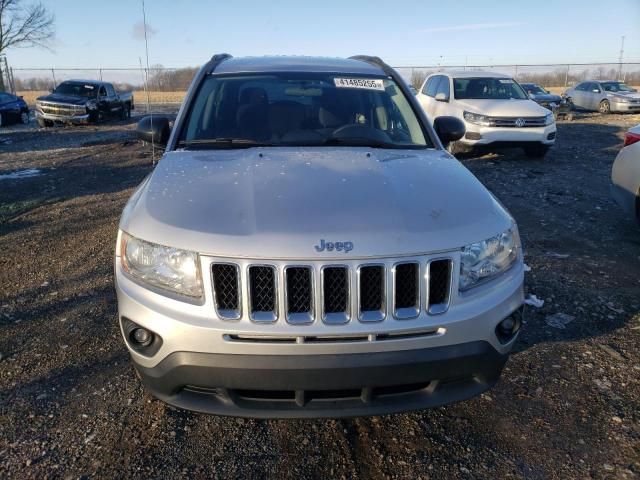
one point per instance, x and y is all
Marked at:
(164, 267)
(549, 119)
(477, 118)
(484, 260)
(621, 99)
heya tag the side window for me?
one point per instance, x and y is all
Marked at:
(443, 86)
(428, 84)
(110, 91)
(433, 85)
(102, 92)
(596, 86)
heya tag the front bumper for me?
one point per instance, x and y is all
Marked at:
(74, 119)
(240, 367)
(477, 135)
(624, 107)
(291, 386)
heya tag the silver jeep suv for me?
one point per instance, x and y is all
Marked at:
(307, 248)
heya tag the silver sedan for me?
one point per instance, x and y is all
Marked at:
(625, 174)
(604, 97)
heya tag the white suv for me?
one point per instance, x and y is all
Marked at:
(496, 111)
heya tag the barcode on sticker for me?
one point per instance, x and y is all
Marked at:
(368, 83)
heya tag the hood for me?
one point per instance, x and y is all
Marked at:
(504, 108)
(280, 202)
(67, 99)
(545, 97)
(634, 95)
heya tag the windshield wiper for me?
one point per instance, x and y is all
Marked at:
(228, 142)
(365, 142)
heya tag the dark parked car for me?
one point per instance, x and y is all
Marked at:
(13, 109)
(541, 96)
(83, 101)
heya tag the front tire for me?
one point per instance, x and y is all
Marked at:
(458, 148)
(42, 123)
(126, 112)
(536, 151)
(604, 107)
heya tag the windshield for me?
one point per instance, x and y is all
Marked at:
(301, 109)
(616, 87)
(534, 89)
(76, 89)
(488, 88)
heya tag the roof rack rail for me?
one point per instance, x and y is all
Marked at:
(216, 60)
(370, 59)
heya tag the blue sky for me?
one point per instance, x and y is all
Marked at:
(186, 33)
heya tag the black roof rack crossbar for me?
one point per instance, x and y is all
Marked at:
(216, 60)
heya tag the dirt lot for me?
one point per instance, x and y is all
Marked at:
(70, 406)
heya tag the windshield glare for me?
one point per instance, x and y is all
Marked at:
(301, 109)
(616, 87)
(482, 88)
(77, 89)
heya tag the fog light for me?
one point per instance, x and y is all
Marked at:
(473, 136)
(507, 328)
(507, 325)
(142, 337)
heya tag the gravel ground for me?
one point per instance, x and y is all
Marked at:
(71, 407)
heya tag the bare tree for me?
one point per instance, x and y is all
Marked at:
(23, 26)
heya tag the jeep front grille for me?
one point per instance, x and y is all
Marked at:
(439, 275)
(226, 290)
(331, 293)
(262, 293)
(406, 291)
(371, 289)
(335, 294)
(299, 294)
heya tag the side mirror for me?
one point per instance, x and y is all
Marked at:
(154, 130)
(596, 90)
(448, 129)
(441, 97)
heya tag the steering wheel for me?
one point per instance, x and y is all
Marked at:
(355, 130)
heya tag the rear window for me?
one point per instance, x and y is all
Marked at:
(302, 109)
(487, 88)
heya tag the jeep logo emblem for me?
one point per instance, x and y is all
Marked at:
(331, 246)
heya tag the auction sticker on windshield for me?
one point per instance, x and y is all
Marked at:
(368, 83)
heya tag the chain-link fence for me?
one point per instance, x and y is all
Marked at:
(553, 76)
(167, 86)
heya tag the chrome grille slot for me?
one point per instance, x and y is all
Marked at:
(439, 287)
(335, 294)
(406, 290)
(511, 121)
(262, 293)
(299, 294)
(371, 291)
(226, 290)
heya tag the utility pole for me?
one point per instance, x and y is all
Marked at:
(620, 59)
